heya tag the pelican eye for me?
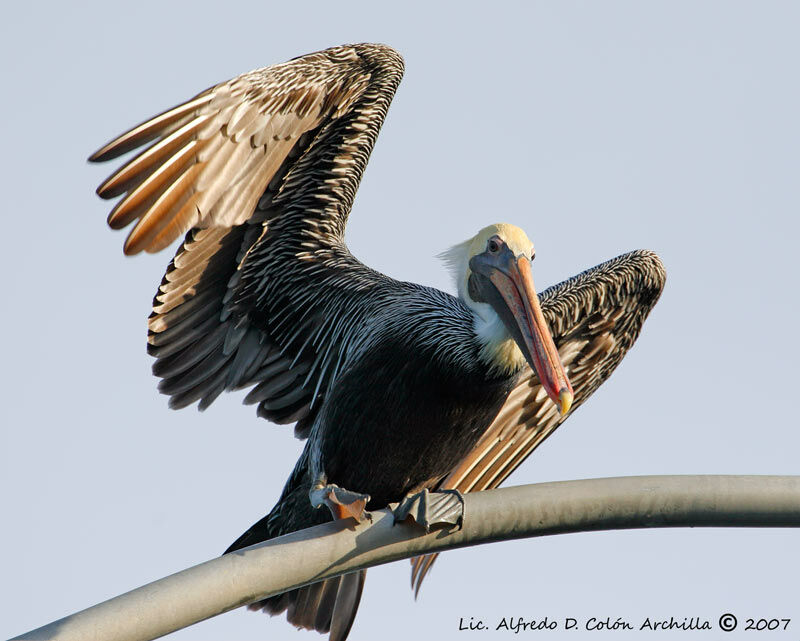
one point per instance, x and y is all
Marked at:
(493, 246)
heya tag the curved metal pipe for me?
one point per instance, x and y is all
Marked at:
(274, 566)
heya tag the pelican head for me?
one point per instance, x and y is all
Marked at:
(493, 275)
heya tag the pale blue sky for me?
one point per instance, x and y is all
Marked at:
(599, 127)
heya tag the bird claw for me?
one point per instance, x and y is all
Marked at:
(342, 503)
(428, 509)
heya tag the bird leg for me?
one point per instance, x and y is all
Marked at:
(342, 503)
(445, 507)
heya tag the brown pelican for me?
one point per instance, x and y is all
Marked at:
(397, 387)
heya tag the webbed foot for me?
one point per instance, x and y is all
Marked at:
(428, 509)
(342, 503)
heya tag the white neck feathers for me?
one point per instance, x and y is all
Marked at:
(498, 349)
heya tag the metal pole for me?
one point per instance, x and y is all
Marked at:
(224, 583)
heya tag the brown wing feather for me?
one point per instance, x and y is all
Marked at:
(228, 141)
(595, 318)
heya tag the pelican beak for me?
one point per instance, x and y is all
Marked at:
(518, 307)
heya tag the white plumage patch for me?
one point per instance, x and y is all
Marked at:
(499, 350)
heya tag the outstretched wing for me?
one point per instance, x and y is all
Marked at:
(261, 171)
(594, 317)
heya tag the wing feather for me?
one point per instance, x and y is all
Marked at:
(235, 134)
(157, 127)
(595, 318)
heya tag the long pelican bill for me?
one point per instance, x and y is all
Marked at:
(514, 282)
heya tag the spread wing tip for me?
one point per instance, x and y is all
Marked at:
(653, 266)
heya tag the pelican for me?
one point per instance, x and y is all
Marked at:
(398, 388)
